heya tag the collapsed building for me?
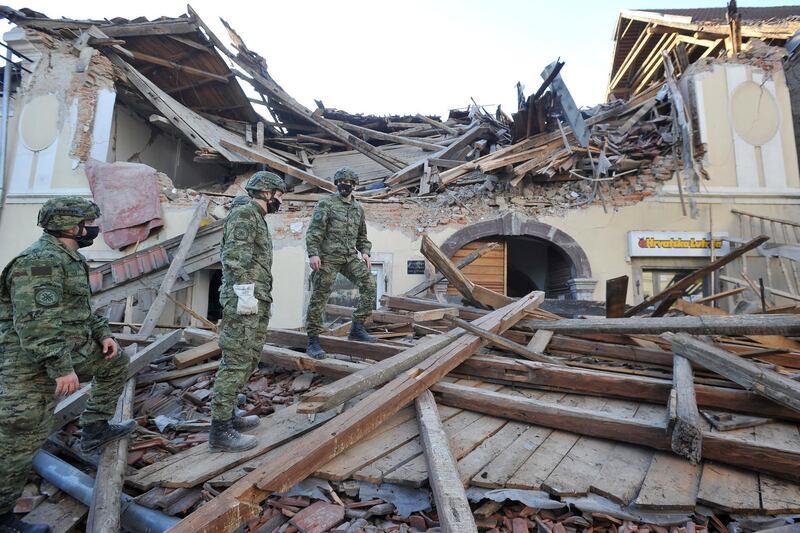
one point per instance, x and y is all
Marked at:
(692, 159)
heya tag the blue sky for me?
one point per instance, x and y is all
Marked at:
(409, 56)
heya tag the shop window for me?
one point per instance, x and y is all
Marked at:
(656, 280)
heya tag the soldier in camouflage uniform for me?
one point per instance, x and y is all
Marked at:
(245, 296)
(336, 242)
(50, 337)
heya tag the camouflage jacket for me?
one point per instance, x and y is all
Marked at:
(246, 252)
(44, 306)
(338, 228)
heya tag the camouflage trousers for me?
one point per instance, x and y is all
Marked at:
(353, 269)
(27, 402)
(242, 339)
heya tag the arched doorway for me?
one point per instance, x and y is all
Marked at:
(532, 256)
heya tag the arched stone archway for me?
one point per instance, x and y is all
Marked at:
(514, 224)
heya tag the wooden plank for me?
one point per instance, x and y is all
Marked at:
(497, 473)
(448, 493)
(372, 134)
(701, 325)
(437, 124)
(63, 516)
(502, 342)
(104, 513)
(775, 341)
(779, 496)
(155, 377)
(670, 484)
(462, 440)
(730, 489)
(175, 267)
(768, 383)
(461, 263)
(761, 456)
(263, 156)
(698, 274)
(72, 406)
(470, 290)
(686, 433)
(616, 294)
(365, 350)
(197, 354)
(540, 340)
(192, 467)
(241, 501)
(475, 461)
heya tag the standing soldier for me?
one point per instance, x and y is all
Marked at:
(49, 336)
(336, 241)
(245, 295)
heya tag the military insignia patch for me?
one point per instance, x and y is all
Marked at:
(46, 297)
(240, 234)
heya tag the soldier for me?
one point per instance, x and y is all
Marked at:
(336, 241)
(49, 336)
(245, 296)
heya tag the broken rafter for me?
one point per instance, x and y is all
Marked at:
(700, 325)
(475, 254)
(683, 424)
(504, 343)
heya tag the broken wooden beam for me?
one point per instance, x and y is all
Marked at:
(768, 383)
(504, 343)
(451, 501)
(175, 267)
(683, 425)
(372, 134)
(461, 263)
(700, 325)
(616, 294)
(471, 291)
(72, 406)
(104, 512)
(780, 462)
(263, 156)
(698, 274)
(197, 354)
(241, 501)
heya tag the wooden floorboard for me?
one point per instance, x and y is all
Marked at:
(728, 488)
(779, 496)
(489, 449)
(670, 484)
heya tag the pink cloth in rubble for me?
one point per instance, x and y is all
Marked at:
(129, 198)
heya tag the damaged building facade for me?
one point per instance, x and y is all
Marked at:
(105, 107)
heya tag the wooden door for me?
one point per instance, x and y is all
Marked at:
(488, 270)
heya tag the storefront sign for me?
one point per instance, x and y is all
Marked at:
(676, 244)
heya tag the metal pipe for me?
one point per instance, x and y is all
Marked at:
(134, 517)
(4, 124)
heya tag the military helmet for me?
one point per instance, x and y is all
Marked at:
(67, 212)
(345, 173)
(264, 181)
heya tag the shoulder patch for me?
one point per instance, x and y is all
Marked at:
(46, 296)
(318, 215)
(240, 233)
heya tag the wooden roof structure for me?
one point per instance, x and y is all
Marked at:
(687, 35)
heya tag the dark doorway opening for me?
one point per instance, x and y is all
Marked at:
(214, 307)
(536, 264)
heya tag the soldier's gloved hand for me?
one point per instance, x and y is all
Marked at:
(315, 263)
(247, 303)
(66, 385)
(110, 348)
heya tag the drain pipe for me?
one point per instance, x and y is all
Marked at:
(134, 517)
(4, 125)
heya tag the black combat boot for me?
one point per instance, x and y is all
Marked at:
(96, 434)
(10, 524)
(314, 349)
(224, 438)
(359, 333)
(243, 422)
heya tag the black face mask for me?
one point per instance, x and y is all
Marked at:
(273, 205)
(86, 240)
(345, 189)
